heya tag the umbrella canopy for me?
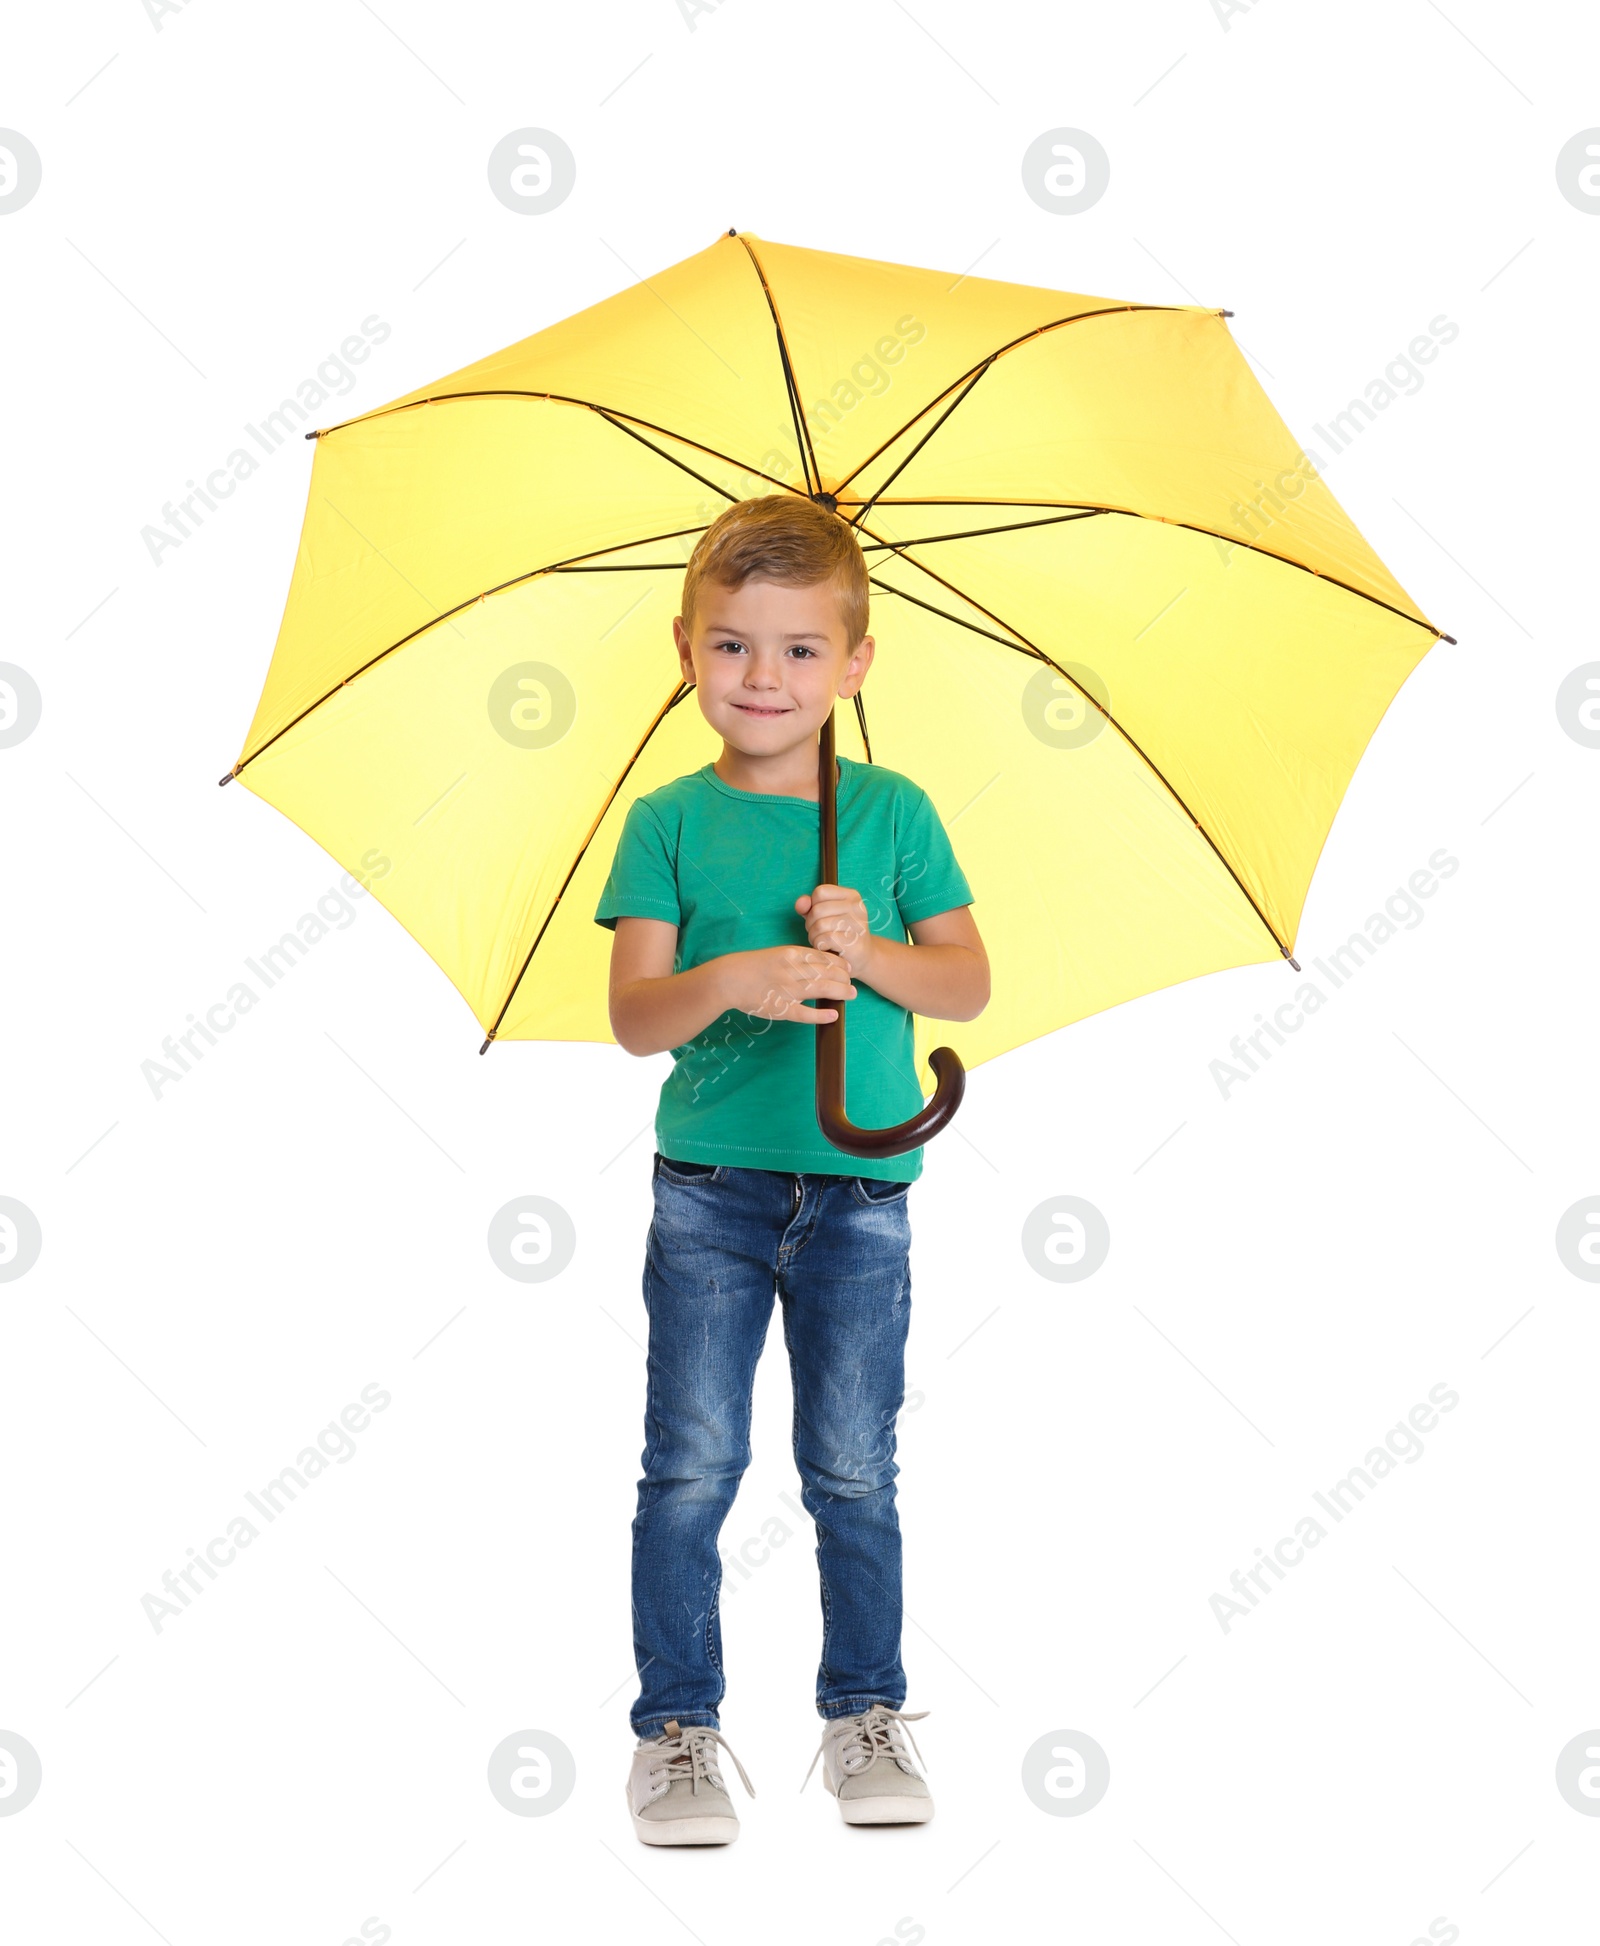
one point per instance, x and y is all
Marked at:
(1127, 640)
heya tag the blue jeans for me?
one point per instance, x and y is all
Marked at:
(835, 1250)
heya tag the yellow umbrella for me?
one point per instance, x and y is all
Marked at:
(1127, 640)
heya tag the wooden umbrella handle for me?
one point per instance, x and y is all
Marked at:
(835, 1124)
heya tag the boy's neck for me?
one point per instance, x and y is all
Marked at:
(788, 773)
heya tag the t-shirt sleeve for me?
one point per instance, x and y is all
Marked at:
(927, 877)
(643, 882)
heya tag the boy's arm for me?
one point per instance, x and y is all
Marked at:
(944, 975)
(652, 1008)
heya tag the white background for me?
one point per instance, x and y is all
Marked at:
(227, 194)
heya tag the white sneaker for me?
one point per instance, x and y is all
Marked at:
(676, 1792)
(869, 1770)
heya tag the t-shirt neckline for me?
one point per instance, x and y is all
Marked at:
(847, 765)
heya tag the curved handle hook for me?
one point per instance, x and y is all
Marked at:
(835, 1124)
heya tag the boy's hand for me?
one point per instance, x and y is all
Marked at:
(772, 981)
(836, 922)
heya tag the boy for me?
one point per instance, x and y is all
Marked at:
(722, 938)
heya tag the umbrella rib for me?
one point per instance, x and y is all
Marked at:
(1024, 647)
(551, 567)
(671, 460)
(808, 458)
(861, 719)
(982, 533)
(1166, 520)
(977, 372)
(683, 689)
(612, 412)
(866, 508)
(1056, 324)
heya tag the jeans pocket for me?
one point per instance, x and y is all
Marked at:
(875, 1191)
(687, 1173)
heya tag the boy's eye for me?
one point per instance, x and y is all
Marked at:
(794, 647)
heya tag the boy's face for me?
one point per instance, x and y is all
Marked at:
(769, 661)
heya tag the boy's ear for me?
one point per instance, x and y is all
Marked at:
(862, 653)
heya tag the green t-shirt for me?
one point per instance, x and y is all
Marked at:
(725, 866)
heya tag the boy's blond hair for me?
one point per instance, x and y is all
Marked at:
(781, 537)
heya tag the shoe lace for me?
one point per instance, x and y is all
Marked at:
(689, 1753)
(876, 1732)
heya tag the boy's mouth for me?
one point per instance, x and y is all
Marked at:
(757, 709)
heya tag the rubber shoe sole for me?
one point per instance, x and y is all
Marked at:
(682, 1831)
(886, 1810)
